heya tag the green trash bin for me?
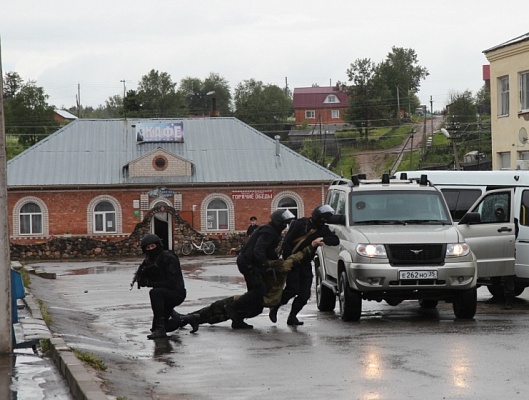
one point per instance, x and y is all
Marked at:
(17, 292)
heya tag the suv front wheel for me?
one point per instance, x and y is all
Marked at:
(465, 304)
(350, 300)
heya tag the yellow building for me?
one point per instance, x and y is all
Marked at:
(509, 95)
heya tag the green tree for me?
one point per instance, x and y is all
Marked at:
(158, 96)
(462, 108)
(402, 75)
(222, 92)
(132, 105)
(367, 96)
(28, 116)
(264, 107)
(482, 100)
(192, 90)
(199, 95)
(12, 84)
(312, 150)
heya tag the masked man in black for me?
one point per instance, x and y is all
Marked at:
(299, 280)
(252, 262)
(161, 271)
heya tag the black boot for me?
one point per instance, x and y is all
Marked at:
(237, 322)
(191, 319)
(159, 329)
(272, 314)
(240, 324)
(292, 319)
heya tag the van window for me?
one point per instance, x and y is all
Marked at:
(524, 209)
(494, 207)
(460, 200)
(336, 199)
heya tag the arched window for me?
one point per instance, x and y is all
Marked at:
(288, 203)
(30, 219)
(217, 215)
(104, 218)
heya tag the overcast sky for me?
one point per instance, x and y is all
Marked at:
(96, 44)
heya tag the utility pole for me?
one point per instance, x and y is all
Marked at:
(78, 100)
(124, 90)
(431, 114)
(398, 105)
(6, 327)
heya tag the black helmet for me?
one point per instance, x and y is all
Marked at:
(321, 214)
(148, 239)
(282, 217)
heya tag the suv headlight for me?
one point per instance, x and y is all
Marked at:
(371, 250)
(457, 249)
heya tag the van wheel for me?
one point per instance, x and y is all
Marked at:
(465, 303)
(350, 300)
(518, 289)
(325, 297)
(428, 303)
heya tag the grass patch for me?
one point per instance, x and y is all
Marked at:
(45, 345)
(26, 280)
(91, 360)
(44, 311)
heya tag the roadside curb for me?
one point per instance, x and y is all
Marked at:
(81, 383)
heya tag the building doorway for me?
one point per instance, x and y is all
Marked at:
(161, 225)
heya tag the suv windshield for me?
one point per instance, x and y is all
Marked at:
(401, 207)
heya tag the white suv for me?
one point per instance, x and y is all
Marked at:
(397, 242)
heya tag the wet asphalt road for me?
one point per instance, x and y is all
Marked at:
(399, 352)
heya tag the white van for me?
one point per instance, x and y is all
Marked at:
(499, 245)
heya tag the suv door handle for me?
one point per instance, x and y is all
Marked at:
(504, 229)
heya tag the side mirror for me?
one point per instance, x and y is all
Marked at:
(337, 219)
(470, 218)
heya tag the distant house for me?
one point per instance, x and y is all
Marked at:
(320, 105)
(100, 178)
(509, 97)
(63, 117)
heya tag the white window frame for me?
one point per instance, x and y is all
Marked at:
(106, 217)
(214, 215)
(310, 114)
(504, 160)
(523, 78)
(298, 211)
(503, 95)
(335, 114)
(331, 98)
(16, 216)
(91, 213)
(31, 219)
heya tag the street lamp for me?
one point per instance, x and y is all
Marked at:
(214, 112)
(452, 139)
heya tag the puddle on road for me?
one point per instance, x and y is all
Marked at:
(28, 376)
(91, 270)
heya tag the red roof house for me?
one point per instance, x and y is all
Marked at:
(320, 105)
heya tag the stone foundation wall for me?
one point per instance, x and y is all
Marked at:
(83, 247)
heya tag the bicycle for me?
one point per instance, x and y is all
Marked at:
(207, 246)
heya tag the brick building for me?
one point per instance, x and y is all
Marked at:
(100, 178)
(320, 105)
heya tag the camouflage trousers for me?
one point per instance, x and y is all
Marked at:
(216, 311)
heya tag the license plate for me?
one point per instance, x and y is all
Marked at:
(422, 274)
